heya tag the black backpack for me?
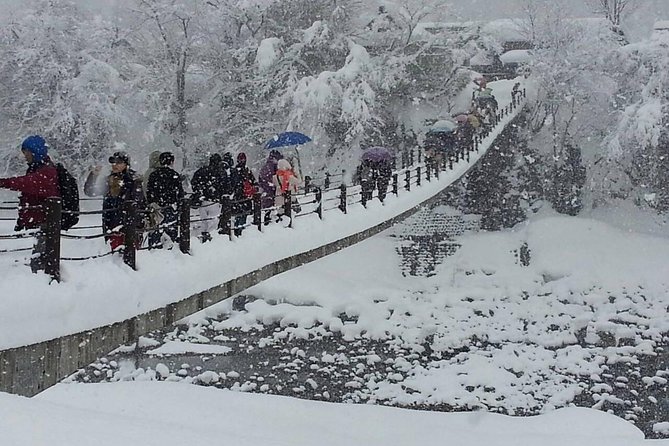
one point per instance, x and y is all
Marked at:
(69, 195)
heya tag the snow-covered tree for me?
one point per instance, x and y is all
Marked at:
(55, 81)
(636, 152)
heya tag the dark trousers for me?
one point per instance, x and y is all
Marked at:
(240, 222)
(168, 226)
(38, 259)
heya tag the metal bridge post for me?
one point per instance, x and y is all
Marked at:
(428, 172)
(395, 189)
(184, 225)
(407, 180)
(411, 157)
(130, 233)
(418, 178)
(50, 235)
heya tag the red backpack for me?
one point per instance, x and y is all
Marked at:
(248, 188)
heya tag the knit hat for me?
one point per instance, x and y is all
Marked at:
(120, 157)
(215, 159)
(37, 146)
(283, 165)
(166, 158)
(227, 159)
(241, 157)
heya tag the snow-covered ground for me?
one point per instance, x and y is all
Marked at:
(167, 414)
(584, 323)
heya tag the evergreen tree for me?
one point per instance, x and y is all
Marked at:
(568, 182)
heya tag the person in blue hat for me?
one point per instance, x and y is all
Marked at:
(39, 183)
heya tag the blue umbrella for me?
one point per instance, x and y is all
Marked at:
(287, 139)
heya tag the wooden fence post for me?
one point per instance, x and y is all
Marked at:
(51, 234)
(224, 227)
(307, 184)
(319, 200)
(395, 188)
(257, 211)
(428, 173)
(342, 198)
(418, 178)
(327, 180)
(130, 233)
(288, 207)
(184, 225)
(407, 180)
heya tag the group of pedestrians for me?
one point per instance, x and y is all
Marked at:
(157, 194)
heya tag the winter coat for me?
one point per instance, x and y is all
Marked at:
(284, 180)
(116, 189)
(39, 183)
(266, 181)
(239, 174)
(165, 187)
(154, 163)
(210, 182)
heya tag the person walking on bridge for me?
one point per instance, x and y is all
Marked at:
(39, 183)
(165, 191)
(284, 181)
(121, 185)
(266, 181)
(243, 185)
(209, 185)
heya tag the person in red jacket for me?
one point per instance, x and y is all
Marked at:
(39, 183)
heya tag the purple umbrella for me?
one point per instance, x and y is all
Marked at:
(377, 154)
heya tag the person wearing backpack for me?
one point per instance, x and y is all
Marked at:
(121, 185)
(164, 191)
(243, 185)
(284, 180)
(39, 183)
(209, 184)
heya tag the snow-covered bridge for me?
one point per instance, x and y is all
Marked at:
(48, 331)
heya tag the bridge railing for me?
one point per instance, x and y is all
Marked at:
(333, 195)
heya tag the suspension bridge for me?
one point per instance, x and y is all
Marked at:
(50, 330)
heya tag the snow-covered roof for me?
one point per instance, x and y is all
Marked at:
(516, 56)
(481, 58)
(661, 25)
(505, 30)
